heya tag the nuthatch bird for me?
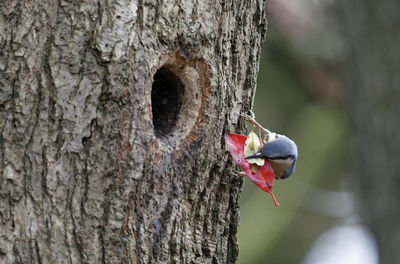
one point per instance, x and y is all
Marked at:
(281, 152)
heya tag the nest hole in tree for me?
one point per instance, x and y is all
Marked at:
(166, 100)
(177, 96)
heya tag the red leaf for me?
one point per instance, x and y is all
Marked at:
(235, 143)
(265, 173)
(264, 177)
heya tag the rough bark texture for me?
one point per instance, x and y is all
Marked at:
(88, 173)
(373, 66)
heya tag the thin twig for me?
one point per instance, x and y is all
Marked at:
(254, 122)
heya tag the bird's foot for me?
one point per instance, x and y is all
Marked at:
(239, 173)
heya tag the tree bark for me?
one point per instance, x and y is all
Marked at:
(112, 118)
(372, 71)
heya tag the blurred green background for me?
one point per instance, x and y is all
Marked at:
(299, 94)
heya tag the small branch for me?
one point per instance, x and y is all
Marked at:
(251, 120)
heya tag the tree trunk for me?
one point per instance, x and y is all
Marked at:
(372, 70)
(112, 118)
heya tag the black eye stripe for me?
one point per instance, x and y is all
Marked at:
(281, 157)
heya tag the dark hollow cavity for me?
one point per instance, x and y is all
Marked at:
(166, 100)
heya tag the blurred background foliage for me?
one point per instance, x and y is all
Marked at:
(299, 94)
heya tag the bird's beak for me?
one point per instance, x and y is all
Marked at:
(257, 155)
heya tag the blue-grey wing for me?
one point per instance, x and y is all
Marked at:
(281, 147)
